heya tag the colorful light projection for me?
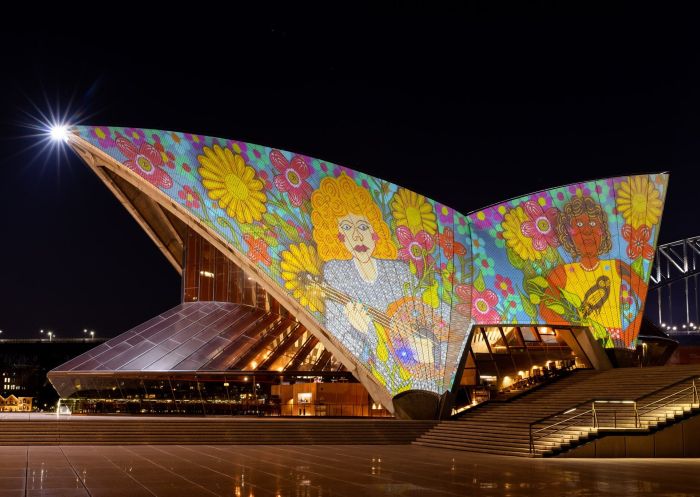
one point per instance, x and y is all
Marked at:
(399, 279)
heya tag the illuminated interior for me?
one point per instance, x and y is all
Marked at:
(503, 359)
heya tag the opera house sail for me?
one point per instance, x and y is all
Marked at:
(393, 285)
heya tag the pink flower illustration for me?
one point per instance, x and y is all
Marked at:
(415, 248)
(542, 199)
(484, 307)
(196, 140)
(464, 294)
(292, 179)
(145, 161)
(579, 190)
(445, 214)
(504, 285)
(539, 225)
(103, 136)
(167, 156)
(189, 196)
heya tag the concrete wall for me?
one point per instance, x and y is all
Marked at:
(679, 440)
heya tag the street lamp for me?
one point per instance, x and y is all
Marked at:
(92, 333)
(51, 335)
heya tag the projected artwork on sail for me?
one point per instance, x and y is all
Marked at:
(397, 279)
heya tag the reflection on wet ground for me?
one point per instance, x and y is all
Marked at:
(328, 470)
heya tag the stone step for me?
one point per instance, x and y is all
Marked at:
(498, 427)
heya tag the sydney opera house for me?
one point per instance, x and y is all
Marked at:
(311, 288)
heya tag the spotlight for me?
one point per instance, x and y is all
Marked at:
(59, 132)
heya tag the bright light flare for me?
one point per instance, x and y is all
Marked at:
(59, 132)
(50, 128)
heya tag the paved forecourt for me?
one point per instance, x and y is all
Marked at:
(329, 470)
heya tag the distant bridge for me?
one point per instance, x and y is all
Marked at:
(673, 286)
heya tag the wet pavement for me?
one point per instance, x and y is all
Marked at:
(329, 470)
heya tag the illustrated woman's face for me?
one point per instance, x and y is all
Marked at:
(358, 236)
(587, 234)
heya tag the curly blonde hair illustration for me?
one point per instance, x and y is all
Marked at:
(338, 197)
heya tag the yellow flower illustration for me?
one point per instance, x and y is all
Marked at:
(413, 211)
(639, 201)
(233, 183)
(301, 272)
(513, 234)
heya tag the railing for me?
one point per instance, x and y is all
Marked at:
(692, 389)
(598, 406)
(614, 403)
(560, 425)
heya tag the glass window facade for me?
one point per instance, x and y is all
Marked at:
(209, 275)
(506, 358)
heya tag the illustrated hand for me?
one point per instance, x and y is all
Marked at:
(357, 316)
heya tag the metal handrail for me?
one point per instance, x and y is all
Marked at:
(682, 380)
(638, 411)
(692, 388)
(532, 441)
(632, 403)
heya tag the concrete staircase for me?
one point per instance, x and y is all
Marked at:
(111, 430)
(504, 427)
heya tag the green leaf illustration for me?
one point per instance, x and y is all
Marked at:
(527, 303)
(430, 296)
(271, 241)
(515, 260)
(291, 232)
(572, 298)
(638, 267)
(558, 308)
(599, 331)
(479, 283)
(540, 282)
(271, 219)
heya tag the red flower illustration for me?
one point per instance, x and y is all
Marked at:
(189, 196)
(446, 240)
(539, 225)
(167, 156)
(145, 161)
(257, 249)
(638, 241)
(483, 307)
(292, 181)
(415, 248)
(464, 294)
(504, 285)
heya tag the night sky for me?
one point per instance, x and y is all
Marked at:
(466, 109)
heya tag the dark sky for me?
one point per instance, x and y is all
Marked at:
(464, 108)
